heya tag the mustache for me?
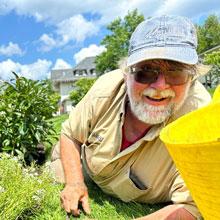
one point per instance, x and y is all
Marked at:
(151, 92)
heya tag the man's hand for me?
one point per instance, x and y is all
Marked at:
(72, 195)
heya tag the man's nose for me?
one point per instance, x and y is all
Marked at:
(160, 83)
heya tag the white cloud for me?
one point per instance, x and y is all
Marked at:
(75, 28)
(6, 67)
(10, 50)
(37, 70)
(5, 7)
(61, 64)
(92, 50)
(189, 8)
(59, 10)
(47, 43)
(53, 11)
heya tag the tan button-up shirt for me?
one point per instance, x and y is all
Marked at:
(144, 171)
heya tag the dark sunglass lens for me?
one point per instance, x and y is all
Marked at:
(177, 78)
(145, 76)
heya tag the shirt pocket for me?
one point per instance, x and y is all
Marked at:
(128, 189)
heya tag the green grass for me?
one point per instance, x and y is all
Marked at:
(57, 122)
(102, 206)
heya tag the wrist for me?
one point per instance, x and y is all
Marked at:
(77, 184)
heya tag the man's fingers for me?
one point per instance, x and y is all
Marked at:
(74, 207)
(85, 204)
(66, 205)
(71, 198)
(69, 206)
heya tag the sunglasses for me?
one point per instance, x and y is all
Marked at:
(148, 75)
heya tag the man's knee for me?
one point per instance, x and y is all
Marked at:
(56, 166)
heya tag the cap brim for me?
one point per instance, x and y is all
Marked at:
(180, 54)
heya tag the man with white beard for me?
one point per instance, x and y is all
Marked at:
(114, 131)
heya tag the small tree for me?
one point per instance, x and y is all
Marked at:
(209, 33)
(82, 86)
(117, 42)
(25, 106)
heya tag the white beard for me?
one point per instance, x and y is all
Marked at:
(150, 114)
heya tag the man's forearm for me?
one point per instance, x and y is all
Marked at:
(70, 157)
(75, 191)
(171, 212)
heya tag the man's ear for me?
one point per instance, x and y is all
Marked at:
(125, 75)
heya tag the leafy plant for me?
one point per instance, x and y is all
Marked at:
(25, 106)
(82, 86)
(53, 98)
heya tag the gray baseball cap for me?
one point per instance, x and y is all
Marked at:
(164, 37)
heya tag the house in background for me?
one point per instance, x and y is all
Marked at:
(63, 80)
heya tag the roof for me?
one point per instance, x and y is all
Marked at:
(62, 75)
(87, 63)
(67, 75)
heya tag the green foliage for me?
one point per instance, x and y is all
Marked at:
(57, 121)
(82, 86)
(209, 33)
(24, 192)
(117, 42)
(25, 106)
(53, 98)
(214, 60)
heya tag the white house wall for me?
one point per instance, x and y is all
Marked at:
(66, 88)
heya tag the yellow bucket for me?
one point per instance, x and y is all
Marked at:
(193, 141)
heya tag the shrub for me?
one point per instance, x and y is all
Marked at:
(25, 106)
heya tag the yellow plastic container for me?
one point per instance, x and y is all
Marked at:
(193, 141)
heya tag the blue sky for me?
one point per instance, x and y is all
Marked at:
(40, 35)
